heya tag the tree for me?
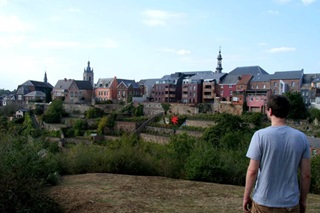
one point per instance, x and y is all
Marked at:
(55, 112)
(165, 107)
(138, 111)
(298, 109)
(94, 113)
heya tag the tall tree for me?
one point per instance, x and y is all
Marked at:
(298, 109)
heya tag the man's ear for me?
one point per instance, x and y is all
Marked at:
(270, 111)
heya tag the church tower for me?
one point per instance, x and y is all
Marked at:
(219, 62)
(45, 80)
(88, 74)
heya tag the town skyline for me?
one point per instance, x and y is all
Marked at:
(142, 39)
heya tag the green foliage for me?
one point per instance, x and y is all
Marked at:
(39, 110)
(206, 117)
(102, 124)
(314, 113)
(253, 117)
(225, 123)
(10, 109)
(298, 109)
(138, 111)
(55, 112)
(24, 173)
(180, 147)
(106, 121)
(165, 107)
(94, 112)
(204, 108)
(28, 125)
(4, 92)
(315, 174)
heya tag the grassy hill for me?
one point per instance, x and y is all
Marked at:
(99, 192)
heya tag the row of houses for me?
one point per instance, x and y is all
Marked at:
(250, 85)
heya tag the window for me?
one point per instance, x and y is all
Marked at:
(230, 86)
(275, 84)
(257, 87)
(264, 86)
(292, 83)
(230, 92)
(221, 86)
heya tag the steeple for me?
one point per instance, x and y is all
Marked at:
(88, 74)
(45, 77)
(219, 64)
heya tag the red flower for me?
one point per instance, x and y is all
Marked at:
(174, 119)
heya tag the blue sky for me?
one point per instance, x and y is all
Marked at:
(139, 39)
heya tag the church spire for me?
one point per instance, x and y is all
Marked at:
(45, 77)
(88, 74)
(219, 62)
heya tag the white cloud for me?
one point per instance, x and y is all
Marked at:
(307, 2)
(53, 44)
(273, 12)
(13, 24)
(155, 18)
(11, 41)
(282, 49)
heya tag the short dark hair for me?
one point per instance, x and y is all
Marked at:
(280, 105)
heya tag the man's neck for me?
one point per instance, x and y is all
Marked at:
(278, 121)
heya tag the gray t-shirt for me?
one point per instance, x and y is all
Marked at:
(279, 150)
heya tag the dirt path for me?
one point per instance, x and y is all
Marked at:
(123, 193)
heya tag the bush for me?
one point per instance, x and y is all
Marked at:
(23, 175)
(315, 174)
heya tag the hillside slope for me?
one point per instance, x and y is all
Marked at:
(123, 193)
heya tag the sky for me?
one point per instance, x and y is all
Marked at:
(141, 39)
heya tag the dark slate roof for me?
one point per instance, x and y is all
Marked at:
(312, 77)
(260, 78)
(249, 70)
(128, 83)
(37, 84)
(170, 77)
(209, 75)
(84, 85)
(148, 82)
(230, 79)
(104, 82)
(308, 78)
(22, 90)
(63, 84)
(297, 74)
(35, 94)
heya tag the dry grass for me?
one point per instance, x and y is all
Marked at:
(123, 193)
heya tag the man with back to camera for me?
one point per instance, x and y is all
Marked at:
(276, 154)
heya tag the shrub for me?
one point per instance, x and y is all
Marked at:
(315, 174)
(23, 175)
